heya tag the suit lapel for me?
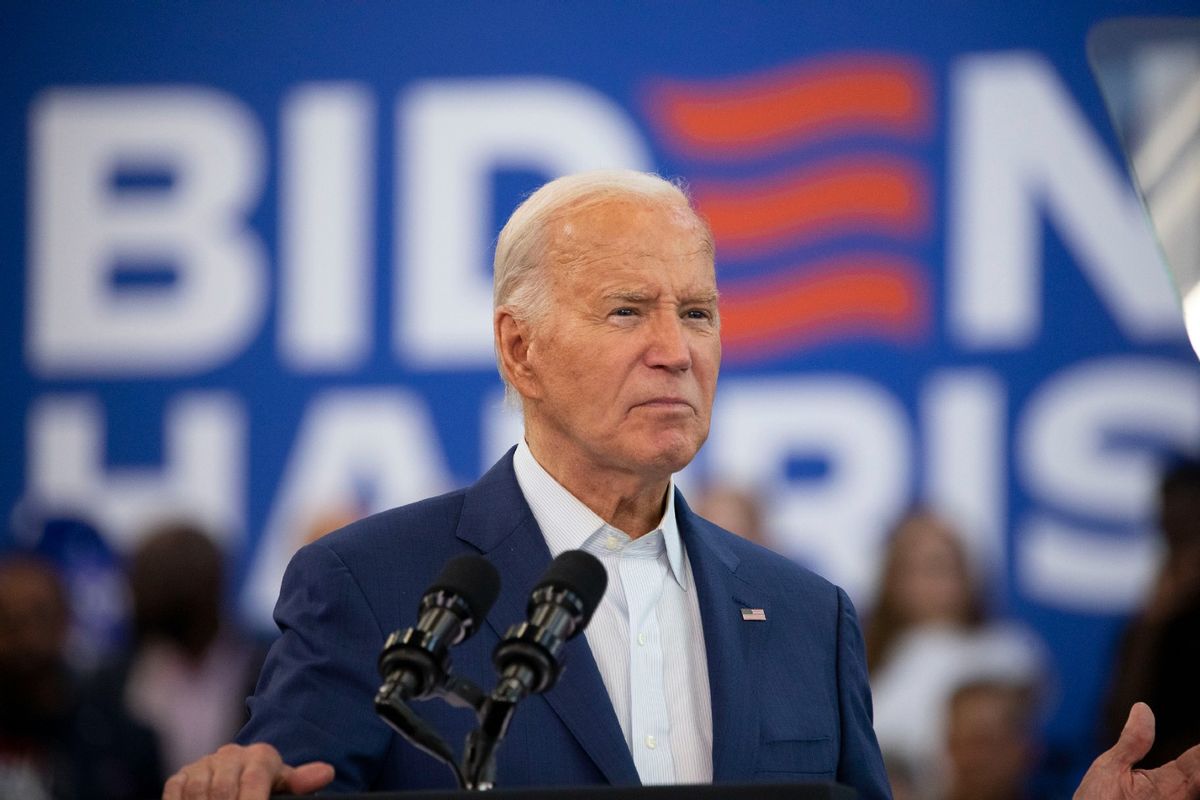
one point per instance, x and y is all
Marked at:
(497, 520)
(734, 646)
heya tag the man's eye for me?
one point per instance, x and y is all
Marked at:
(623, 312)
(699, 313)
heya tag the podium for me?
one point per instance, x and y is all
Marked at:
(751, 791)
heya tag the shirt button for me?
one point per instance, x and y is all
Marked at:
(612, 543)
(641, 640)
(651, 742)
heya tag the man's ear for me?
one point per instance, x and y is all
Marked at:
(512, 348)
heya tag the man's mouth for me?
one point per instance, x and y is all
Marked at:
(665, 403)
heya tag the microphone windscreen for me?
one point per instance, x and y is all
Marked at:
(474, 579)
(583, 574)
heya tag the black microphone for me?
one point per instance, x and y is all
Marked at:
(560, 607)
(416, 661)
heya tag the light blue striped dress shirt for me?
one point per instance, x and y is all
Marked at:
(646, 635)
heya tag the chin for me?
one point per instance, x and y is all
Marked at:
(673, 456)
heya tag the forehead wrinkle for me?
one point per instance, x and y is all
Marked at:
(576, 244)
(586, 220)
(575, 253)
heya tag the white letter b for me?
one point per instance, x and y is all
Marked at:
(83, 226)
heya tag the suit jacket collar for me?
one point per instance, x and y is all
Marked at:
(497, 520)
(733, 644)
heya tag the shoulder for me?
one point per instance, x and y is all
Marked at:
(403, 524)
(401, 547)
(476, 512)
(395, 553)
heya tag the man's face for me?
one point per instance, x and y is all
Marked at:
(625, 363)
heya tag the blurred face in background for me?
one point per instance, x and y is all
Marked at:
(175, 576)
(989, 742)
(33, 630)
(1179, 513)
(734, 510)
(929, 576)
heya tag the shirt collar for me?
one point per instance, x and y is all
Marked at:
(568, 524)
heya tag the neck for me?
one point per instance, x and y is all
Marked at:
(629, 501)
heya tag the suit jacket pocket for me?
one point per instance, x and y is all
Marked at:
(812, 758)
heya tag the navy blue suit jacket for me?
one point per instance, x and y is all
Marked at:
(790, 700)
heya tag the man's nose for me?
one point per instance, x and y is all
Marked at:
(669, 346)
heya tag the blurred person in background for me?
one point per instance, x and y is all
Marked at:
(92, 573)
(189, 672)
(331, 519)
(901, 778)
(60, 738)
(735, 509)
(992, 742)
(1158, 661)
(929, 633)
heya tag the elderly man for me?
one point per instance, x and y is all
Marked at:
(709, 659)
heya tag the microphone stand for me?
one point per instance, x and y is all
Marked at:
(479, 756)
(391, 704)
(494, 713)
(528, 656)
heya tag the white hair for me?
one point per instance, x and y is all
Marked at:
(519, 284)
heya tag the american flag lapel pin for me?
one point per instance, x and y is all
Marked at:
(754, 615)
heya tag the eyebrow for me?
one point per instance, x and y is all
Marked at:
(627, 296)
(642, 297)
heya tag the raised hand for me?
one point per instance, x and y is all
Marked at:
(1112, 776)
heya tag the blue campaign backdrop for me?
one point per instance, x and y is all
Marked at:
(247, 272)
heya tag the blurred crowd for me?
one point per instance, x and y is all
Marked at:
(962, 692)
(114, 672)
(117, 669)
